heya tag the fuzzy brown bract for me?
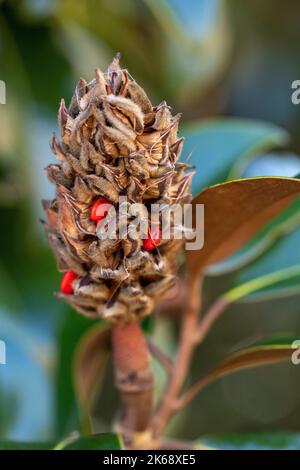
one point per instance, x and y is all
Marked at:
(114, 143)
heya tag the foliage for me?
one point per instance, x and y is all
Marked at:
(194, 62)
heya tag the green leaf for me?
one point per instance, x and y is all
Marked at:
(284, 279)
(234, 212)
(279, 440)
(72, 329)
(215, 145)
(196, 37)
(9, 445)
(90, 362)
(108, 441)
(148, 324)
(9, 294)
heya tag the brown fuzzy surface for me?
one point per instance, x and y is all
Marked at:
(114, 143)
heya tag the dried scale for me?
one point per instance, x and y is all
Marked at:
(113, 143)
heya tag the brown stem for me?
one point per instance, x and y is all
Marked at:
(184, 355)
(197, 387)
(133, 377)
(210, 317)
(161, 356)
(204, 327)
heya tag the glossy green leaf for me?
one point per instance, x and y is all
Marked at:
(11, 445)
(234, 212)
(280, 440)
(67, 413)
(286, 279)
(215, 145)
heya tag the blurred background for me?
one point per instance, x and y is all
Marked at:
(218, 62)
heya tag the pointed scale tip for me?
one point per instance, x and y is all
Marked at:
(100, 81)
(62, 113)
(115, 65)
(117, 57)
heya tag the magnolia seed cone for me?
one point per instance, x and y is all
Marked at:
(114, 143)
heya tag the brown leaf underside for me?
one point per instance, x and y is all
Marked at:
(251, 358)
(235, 211)
(240, 361)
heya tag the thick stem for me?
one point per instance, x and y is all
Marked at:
(133, 377)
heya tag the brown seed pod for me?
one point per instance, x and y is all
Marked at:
(114, 143)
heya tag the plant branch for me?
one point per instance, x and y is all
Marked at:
(213, 313)
(184, 355)
(161, 356)
(204, 327)
(197, 387)
(192, 334)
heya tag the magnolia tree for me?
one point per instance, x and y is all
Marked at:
(122, 217)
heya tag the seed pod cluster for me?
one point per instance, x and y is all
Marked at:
(113, 143)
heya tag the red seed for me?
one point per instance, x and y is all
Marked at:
(66, 285)
(99, 209)
(153, 239)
